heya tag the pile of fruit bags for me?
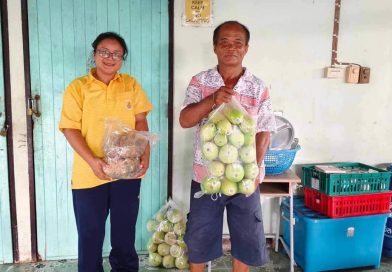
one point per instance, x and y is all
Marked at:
(166, 246)
(123, 147)
(229, 151)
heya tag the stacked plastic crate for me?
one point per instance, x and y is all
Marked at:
(340, 222)
(346, 189)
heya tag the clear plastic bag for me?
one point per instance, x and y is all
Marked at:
(166, 246)
(228, 145)
(123, 147)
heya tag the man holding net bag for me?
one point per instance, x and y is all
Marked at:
(207, 91)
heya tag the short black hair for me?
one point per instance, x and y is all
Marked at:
(218, 28)
(111, 35)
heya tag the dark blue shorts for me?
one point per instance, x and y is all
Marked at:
(205, 226)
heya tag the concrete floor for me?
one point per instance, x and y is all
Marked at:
(279, 262)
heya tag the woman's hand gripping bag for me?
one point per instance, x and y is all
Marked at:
(228, 145)
(123, 147)
(166, 246)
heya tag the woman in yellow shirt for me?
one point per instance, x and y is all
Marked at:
(87, 101)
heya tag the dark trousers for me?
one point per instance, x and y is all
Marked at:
(92, 206)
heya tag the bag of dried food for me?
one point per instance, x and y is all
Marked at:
(123, 147)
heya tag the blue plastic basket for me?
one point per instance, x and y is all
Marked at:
(278, 161)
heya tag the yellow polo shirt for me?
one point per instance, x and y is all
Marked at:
(86, 103)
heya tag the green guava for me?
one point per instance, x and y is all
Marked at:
(210, 151)
(228, 153)
(248, 154)
(216, 168)
(229, 187)
(210, 185)
(234, 172)
(234, 115)
(207, 132)
(154, 259)
(251, 170)
(246, 186)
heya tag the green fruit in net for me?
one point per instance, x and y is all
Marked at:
(176, 251)
(234, 115)
(249, 138)
(181, 243)
(234, 172)
(248, 154)
(207, 132)
(182, 262)
(163, 249)
(236, 138)
(158, 237)
(152, 225)
(251, 170)
(160, 216)
(165, 226)
(154, 259)
(210, 185)
(228, 153)
(174, 215)
(220, 139)
(246, 186)
(210, 151)
(224, 127)
(228, 187)
(168, 261)
(216, 168)
(170, 238)
(248, 125)
(151, 246)
(179, 228)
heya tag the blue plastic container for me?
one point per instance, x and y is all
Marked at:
(387, 246)
(322, 243)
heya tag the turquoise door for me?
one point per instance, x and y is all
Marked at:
(5, 219)
(60, 37)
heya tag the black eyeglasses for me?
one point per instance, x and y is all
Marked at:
(104, 53)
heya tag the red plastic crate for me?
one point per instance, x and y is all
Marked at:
(345, 206)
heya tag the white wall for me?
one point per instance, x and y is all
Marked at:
(290, 46)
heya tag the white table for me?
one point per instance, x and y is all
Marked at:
(281, 186)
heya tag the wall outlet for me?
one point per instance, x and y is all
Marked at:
(364, 75)
(333, 72)
(352, 74)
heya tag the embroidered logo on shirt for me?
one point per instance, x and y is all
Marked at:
(128, 105)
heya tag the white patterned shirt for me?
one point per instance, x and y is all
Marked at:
(253, 95)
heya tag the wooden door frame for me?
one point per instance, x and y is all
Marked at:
(171, 99)
(8, 113)
(29, 121)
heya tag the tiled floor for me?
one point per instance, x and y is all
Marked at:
(279, 263)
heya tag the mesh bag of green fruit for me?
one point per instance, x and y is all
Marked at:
(229, 151)
(166, 246)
